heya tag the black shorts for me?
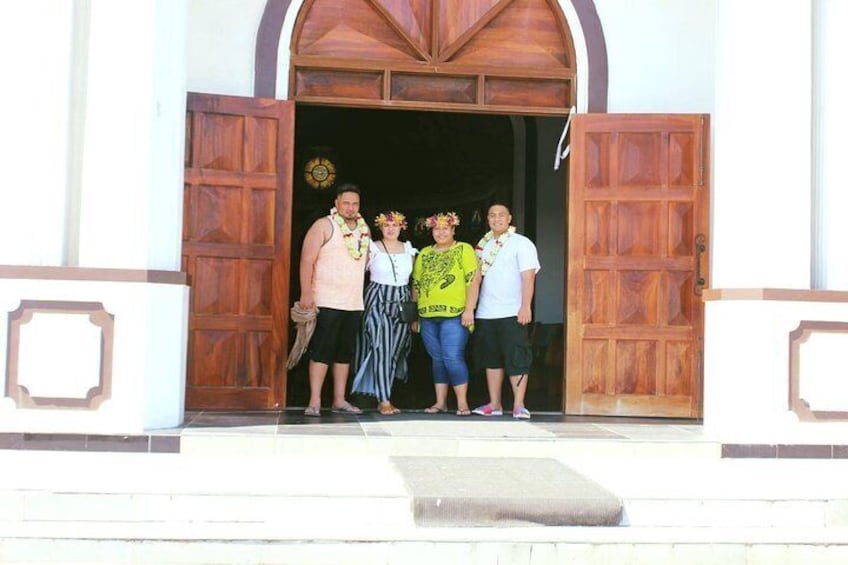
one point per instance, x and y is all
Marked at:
(502, 343)
(334, 340)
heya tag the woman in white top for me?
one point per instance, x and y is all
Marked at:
(384, 342)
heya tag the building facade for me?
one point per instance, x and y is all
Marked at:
(96, 281)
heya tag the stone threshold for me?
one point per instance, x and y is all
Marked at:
(171, 443)
(91, 442)
(783, 451)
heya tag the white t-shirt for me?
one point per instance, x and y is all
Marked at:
(380, 264)
(500, 293)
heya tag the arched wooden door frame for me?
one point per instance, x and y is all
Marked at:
(271, 28)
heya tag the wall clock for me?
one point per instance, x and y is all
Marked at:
(320, 173)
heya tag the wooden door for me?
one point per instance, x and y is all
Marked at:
(236, 249)
(637, 232)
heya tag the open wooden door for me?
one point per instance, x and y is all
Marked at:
(236, 250)
(637, 232)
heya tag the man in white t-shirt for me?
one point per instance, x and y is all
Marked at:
(509, 263)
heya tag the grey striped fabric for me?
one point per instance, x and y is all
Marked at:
(383, 344)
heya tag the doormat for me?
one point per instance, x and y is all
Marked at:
(484, 491)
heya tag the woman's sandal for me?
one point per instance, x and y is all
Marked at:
(386, 409)
(463, 412)
(435, 409)
(312, 411)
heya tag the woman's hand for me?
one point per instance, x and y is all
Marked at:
(468, 318)
(414, 326)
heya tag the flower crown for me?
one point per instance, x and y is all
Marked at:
(449, 219)
(392, 217)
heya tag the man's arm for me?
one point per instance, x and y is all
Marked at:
(312, 243)
(528, 286)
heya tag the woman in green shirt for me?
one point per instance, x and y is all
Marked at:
(446, 280)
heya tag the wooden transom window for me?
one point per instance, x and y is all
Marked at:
(493, 56)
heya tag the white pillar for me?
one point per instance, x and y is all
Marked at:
(830, 116)
(35, 54)
(761, 159)
(131, 185)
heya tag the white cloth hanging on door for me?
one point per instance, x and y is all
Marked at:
(560, 153)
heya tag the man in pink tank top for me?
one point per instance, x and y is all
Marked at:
(332, 275)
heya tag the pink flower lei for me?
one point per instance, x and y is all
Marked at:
(357, 239)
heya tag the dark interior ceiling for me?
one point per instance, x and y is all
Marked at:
(418, 162)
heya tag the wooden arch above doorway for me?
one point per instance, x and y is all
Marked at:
(492, 56)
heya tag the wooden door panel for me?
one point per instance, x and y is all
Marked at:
(638, 198)
(498, 56)
(236, 239)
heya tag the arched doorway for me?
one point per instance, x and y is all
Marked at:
(637, 204)
(462, 69)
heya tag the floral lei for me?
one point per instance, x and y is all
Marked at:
(357, 239)
(486, 262)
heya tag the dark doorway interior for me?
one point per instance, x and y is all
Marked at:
(419, 163)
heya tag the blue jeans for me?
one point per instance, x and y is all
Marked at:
(445, 339)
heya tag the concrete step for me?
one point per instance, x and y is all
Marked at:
(516, 546)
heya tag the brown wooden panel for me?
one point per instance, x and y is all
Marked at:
(678, 362)
(216, 214)
(237, 220)
(595, 368)
(351, 28)
(681, 159)
(522, 46)
(638, 228)
(635, 367)
(650, 210)
(414, 18)
(680, 301)
(214, 357)
(528, 92)
(598, 228)
(261, 225)
(681, 232)
(597, 294)
(459, 16)
(215, 286)
(639, 156)
(434, 88)
(526, 33)
(221, 142)
(596, 159)
(339, 84)
(258, 292)
(260, 145)
(636, 297)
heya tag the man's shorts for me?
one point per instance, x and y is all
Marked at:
(502, 343)
(334, 339)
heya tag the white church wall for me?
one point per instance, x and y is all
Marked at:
(60, 353)
(35, 51)
(762, 164)
(660, 55)
(747, 384)
(222, 45)
(96, 138)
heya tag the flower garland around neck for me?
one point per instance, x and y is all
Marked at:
(486, 262)
(357, 239)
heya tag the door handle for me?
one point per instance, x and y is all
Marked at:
(700, 249)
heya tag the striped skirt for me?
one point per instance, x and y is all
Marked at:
(383, 344)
